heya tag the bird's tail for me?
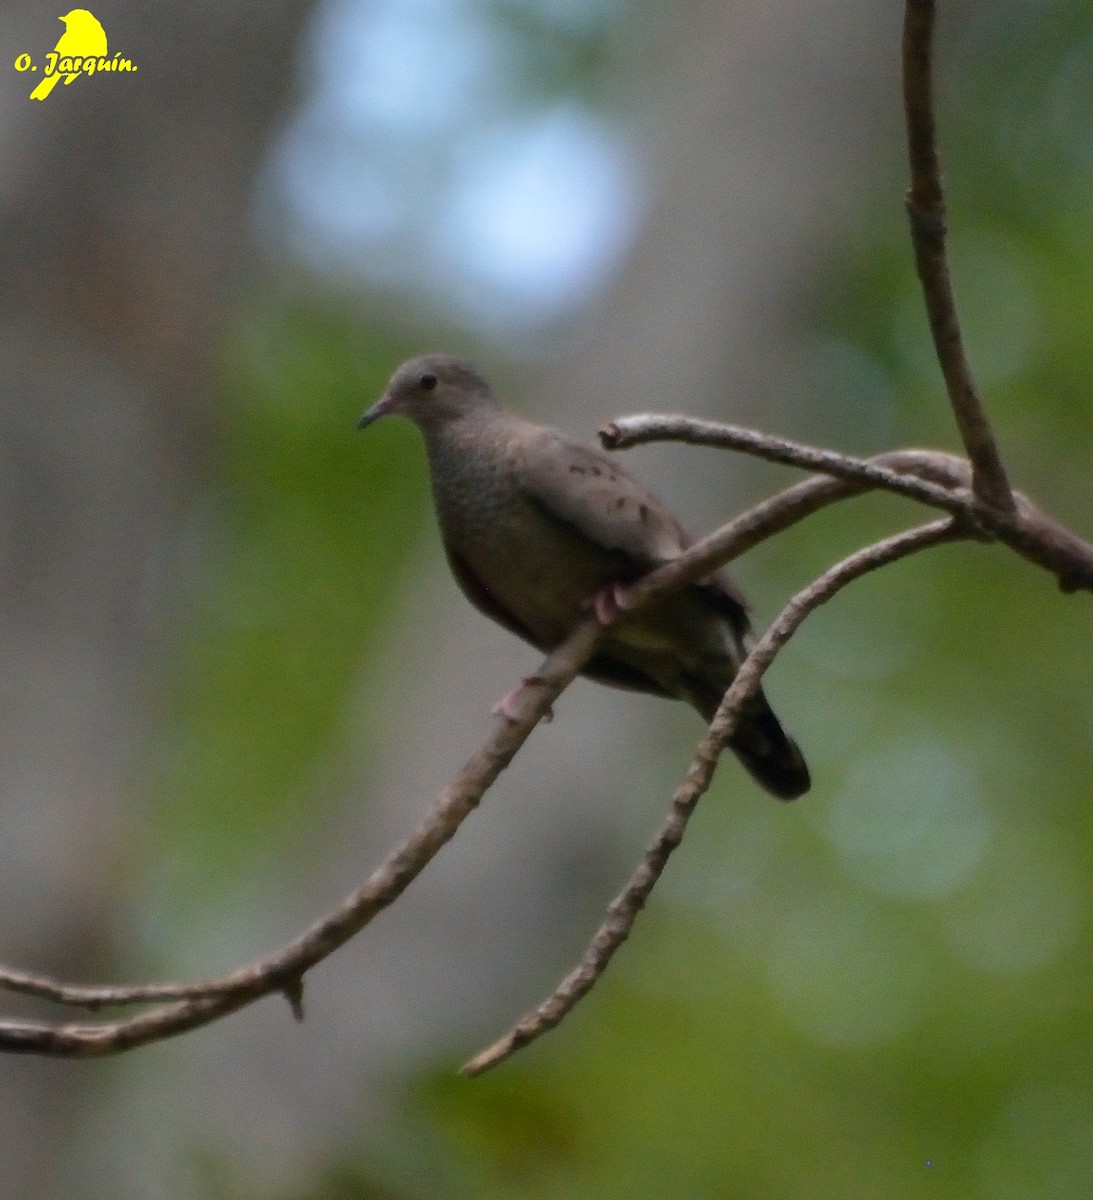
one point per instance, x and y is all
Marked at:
(771, 756)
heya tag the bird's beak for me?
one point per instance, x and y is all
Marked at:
(384, 405)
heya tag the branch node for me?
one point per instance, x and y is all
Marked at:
(973, 521)
(928, 221)
(610, 435)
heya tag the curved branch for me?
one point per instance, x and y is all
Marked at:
(926, 209)
(977, 497)
(283, 970)
(198, 1003)
(928, 476)
(625, 907)
(931, 476)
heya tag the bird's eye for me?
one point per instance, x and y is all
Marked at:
(427, 382)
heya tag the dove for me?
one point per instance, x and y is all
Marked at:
(540, 529)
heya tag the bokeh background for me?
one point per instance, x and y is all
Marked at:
(233, 669)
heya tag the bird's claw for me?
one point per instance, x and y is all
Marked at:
(608, 603)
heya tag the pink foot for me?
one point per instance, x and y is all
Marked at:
(608, 604)
(507, 707)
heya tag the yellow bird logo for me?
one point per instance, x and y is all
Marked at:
(83, 38)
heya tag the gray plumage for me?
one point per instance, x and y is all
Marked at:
(535, 525)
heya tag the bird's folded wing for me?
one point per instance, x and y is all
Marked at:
(583, 488)
(586, 490)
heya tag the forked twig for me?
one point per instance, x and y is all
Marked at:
(184, 1006)
(979, 502)
(931, 477)
(928, 476)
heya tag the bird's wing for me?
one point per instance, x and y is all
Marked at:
(588, 491)
(593, 494)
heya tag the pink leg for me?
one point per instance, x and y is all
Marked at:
(506, 706)
(608, 603)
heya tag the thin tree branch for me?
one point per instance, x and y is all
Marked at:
(976, 495)
(928, 476)
(931, 476)
(276, 971)
(198, 1003)
(283, 970)
(90, 996)
(926, 209)
(624, 909)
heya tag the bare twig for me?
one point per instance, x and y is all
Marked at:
(930, 476)
(198, 1003)
(926, 208)
(976, 495)
(283, 970)
(91, 996)
(625, 907)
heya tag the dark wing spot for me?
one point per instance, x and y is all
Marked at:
(620, 502)
(596, 471)
(577, 470)
(643, 512)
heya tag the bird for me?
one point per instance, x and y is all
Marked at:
(83, 37)
(540, 529)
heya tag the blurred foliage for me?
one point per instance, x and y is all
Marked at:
(883, 991)
(309, 534)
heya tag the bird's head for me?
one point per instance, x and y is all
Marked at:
(432, 389)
